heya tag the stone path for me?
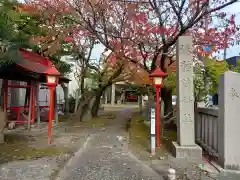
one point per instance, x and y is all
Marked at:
(105, 156)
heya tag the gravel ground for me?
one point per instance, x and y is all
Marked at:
(44, 168)
(40, 169)
(106, 157)
(186, 169)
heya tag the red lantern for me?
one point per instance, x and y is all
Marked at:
(157, 77)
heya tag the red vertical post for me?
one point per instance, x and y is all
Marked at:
(5, 95)
(33, 102)
(157, 117)
(50, 117)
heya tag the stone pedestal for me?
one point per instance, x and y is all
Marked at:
(193, 151)
(185, 146)
(229, 122)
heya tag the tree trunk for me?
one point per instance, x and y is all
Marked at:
(82, 84)
(86, 113)
(3, 117)
(84, 103)
(96, 105)
(89, 104)
(76, 101)
(166, 95)
(66, 103)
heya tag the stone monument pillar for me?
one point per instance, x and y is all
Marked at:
(229, 122)
(185, 146)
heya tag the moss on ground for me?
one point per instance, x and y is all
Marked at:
(97, 122)
(65, 117)
(18, 148)
(139, 140)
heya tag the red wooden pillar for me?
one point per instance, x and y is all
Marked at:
(51, 112)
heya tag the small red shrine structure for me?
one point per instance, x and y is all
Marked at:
(32, 69)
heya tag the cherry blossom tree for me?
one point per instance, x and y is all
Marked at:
(144, 32)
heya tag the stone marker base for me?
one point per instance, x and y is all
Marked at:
(228, 174)
(194, 151)
(225, 174)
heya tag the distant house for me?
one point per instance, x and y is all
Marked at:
(233, 60)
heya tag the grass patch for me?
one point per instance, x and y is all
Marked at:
(64, 118)
(17, 148)
(97, 122)
(139, 140)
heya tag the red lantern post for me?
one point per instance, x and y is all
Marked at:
(51, 83)
(158, 77)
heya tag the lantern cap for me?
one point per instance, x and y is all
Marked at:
(158, 73)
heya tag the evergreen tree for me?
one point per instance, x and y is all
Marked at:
(16, 29)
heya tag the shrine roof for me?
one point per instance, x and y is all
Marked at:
(30, 66)
(33, 62)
